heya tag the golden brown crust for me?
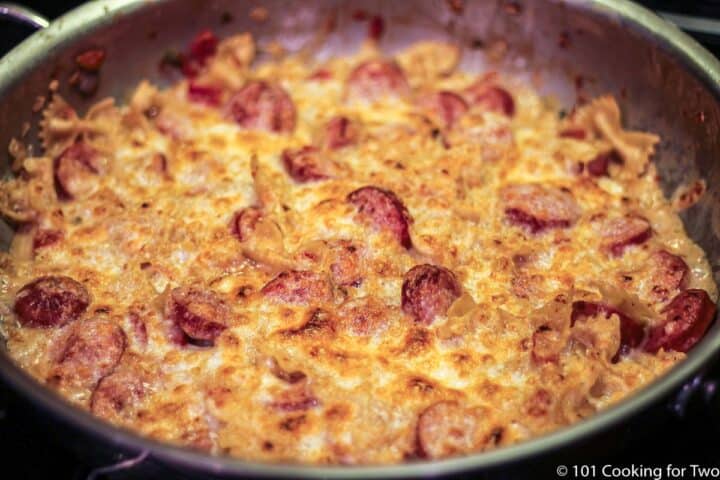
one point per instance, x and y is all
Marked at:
(223, 296)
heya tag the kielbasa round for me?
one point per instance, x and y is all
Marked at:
(201, 315)
(668, 274)
(384, 211)
(340, 132)
(76, 170)
(261, 105)
(376, 79)
(490, 97)
(687, 318)
(298, 287)
(428, 291)
(445, 106)
(88, 351)
(305, 164)
(622, 232)
(537, 208)
(51, 301)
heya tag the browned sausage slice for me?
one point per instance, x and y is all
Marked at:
(445, 106)
(490, 97)
(668, 274)
(88, 351)
(384, 210)
(117, 395)
(305, 164)
(428, 291)
(687, 318)
(340, 132)
(201, 315)
(623, 232)
(537, 208)
(76, 171)
(298, 287)
(375, 79)
(51, 301)
(262, 106)
(445, 429)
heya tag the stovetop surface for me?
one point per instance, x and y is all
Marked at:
(671, 433)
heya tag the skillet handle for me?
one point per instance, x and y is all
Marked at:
(23, 15)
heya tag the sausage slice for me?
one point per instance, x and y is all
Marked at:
(340, 132)
(376, 79)
(623, 232)
(298, 287)
(76, 171)
(668, 274)
(445, 106)
(51, 301)
(305, 164)
(87, 352)
(537, 208)
(687, 318)
(428, 291)
(384, 211)
(201, 315)
(490, 97)
(261, 105)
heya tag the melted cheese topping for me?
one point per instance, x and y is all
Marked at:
(157, 217)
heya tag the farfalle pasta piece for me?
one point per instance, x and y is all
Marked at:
(602, 117)
(24, 199)
(102, 126)
(261, 239)
(101, 110)
(15, 201)
(19, 151)
(61, 126)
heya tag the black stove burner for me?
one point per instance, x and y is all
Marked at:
(680, 430)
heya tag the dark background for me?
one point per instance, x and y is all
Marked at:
(678, 432)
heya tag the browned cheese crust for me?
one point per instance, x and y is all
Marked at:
(361, 262)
